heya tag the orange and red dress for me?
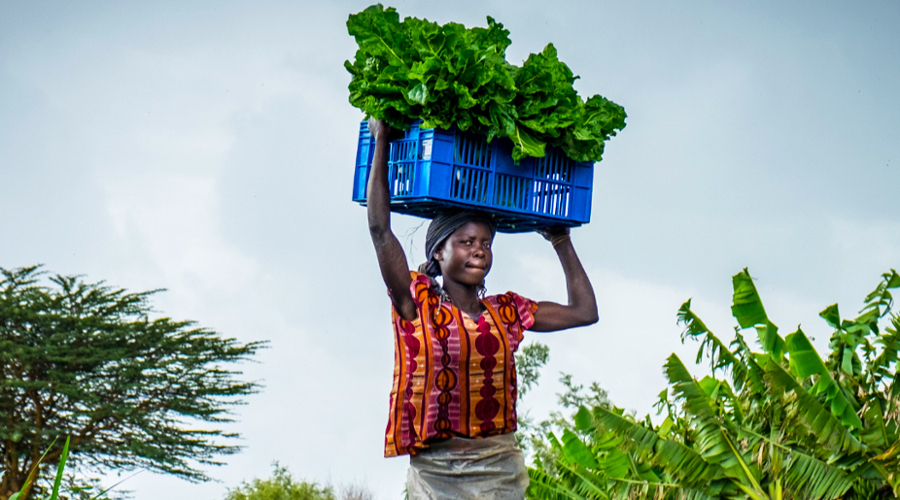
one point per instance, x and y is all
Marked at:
(454, 376)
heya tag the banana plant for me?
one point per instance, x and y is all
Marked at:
(780, 423)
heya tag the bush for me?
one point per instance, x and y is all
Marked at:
(281, 486)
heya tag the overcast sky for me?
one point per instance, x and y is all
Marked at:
(208, 147)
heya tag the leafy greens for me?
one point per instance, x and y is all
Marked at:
(452, 76)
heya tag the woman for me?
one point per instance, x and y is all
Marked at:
(454, 393)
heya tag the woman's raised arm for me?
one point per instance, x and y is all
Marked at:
(391, 259)
(582, 307)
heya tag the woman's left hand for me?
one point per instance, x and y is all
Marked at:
(549, 233)
(555, 235)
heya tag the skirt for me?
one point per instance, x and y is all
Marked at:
(468, 469)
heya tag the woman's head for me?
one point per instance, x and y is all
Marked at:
(458, 245)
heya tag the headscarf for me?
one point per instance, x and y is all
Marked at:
(441, 228)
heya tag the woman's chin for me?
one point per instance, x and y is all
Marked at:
(475, 278)
(472, 279)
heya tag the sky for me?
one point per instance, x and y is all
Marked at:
(207, 148)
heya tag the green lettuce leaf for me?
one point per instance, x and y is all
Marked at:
(448, 75)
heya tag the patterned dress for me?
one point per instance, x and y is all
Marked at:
(454, 376)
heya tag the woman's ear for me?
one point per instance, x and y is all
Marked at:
(439, 252)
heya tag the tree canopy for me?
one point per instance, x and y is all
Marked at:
(86, 361)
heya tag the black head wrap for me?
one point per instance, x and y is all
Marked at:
(441, 228)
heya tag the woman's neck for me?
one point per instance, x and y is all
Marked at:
(464, 297)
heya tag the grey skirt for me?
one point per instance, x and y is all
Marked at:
(468, 469)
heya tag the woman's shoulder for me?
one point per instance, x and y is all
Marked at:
(507, 297)
(419, 280)
(508, 302)
(421, 286)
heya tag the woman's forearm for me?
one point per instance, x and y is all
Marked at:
(582, 302)
(391, 259)
(581, 309)
(378, 196)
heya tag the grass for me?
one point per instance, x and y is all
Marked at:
(57, 481)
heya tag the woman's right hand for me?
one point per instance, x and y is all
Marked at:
(379, 129)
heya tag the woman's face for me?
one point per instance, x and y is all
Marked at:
(466, 255)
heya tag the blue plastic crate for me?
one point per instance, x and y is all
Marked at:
(431, 170)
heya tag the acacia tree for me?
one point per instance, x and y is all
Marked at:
(784, 424)
(85, 360)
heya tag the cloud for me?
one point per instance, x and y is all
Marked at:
(876, 240)
(171, 222)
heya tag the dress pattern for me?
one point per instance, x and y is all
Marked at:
(454, 376)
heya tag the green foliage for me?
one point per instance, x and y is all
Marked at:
(452, 76)
(529, 361)
(532, 436)
(85, 360)
(281, 486)
(789, 425)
